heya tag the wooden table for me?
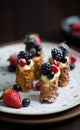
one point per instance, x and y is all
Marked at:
(67, 120)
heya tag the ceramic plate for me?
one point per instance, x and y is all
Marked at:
(69, 96)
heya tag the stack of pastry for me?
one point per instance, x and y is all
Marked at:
(25, 71)
(33, 45)
(60, 54)
(49, 82)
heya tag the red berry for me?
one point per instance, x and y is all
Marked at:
(22, 62)
(73, 59)
(38, 86)
(11, 98)
(56, 62)
(54, 68)
(13, 59)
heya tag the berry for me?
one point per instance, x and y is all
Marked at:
(50, 75)
(13, 59)
(57, 54)
(30, 42)
(11, 68)
(45, 68)
(72, 66)
(11, 98)
(17, 87)
(73, 59)
(22, 62)
(25, 102)
(64, 47)
(38, 86)
(37, 38)
(22, 54)
(54, 68)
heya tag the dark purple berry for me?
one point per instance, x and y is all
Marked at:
(17, 87)
(72, 66)
(45, 68)
(25, 102)
(64, 47)
(50, 75)
(11, 68)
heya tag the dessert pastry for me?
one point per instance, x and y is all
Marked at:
(25, 71)
(49, 82)
(33, 45)
(60, 53)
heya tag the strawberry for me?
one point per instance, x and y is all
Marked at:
(37, 38)
(13, 59)
(11, 98)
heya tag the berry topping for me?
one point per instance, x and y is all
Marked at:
(64, 47)
(25, 102)
(73, 59)
(38, 86)
(57, 54)
(45, 68)
(22, 54)
(50, 75)
(22, 62)
(54, 68)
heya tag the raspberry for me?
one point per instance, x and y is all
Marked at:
(73, 59)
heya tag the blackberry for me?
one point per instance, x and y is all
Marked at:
(57, 54)
(30, 43)
(45, 68)
(38, 47)
(33, 51)
(64, 48)
(22, 54)
(50, 75)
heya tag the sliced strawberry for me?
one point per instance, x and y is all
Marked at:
(54, 68)
(13, 59)
(11, 98)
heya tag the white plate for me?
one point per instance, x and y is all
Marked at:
(69, 96)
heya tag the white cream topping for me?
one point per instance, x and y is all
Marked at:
(62, 65)
(26, 67)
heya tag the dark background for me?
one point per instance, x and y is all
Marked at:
(19, 17)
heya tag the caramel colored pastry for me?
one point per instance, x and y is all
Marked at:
(25, 72)
(49, 83)
(37, 64)
(60, 54)
(64, 76)
(33, 45)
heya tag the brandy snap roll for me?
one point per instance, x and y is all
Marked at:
(33, 45)
(49, 82)
(25, 71)
(60, 54)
